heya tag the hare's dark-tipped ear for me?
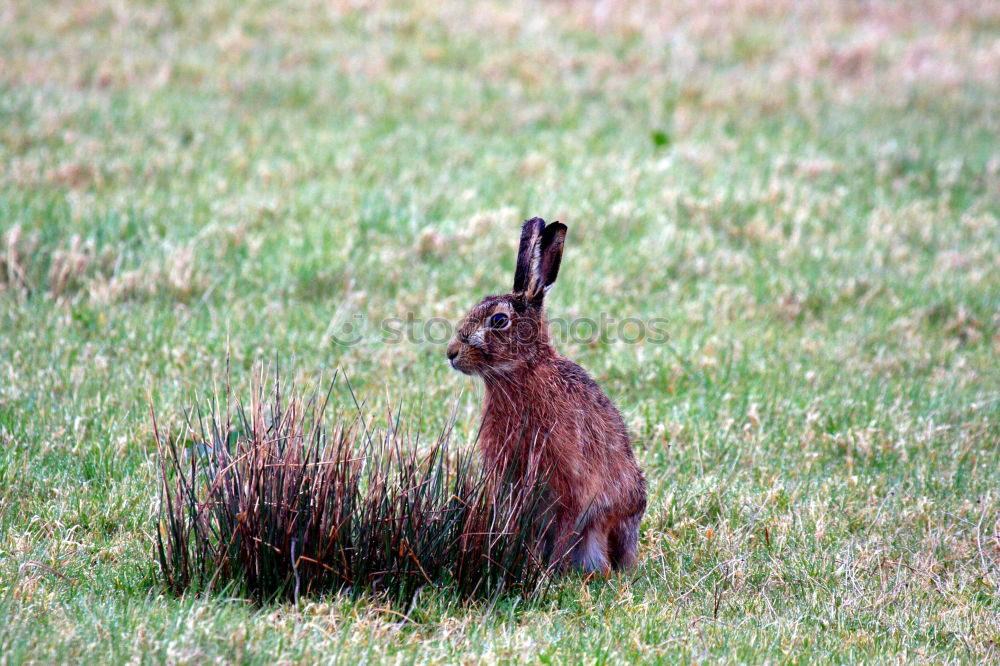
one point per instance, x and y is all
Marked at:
(528, 254)
(552, 249)
(538, 258)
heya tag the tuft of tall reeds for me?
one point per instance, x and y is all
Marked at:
(283, 498)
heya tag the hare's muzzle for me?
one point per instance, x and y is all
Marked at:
(453, 352)
(455, 356)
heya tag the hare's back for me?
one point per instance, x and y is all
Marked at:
(583, 393)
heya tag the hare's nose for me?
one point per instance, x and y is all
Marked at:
(452, 351)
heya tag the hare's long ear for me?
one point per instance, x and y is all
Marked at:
(528, 254)
(552, 248)
(539, 258)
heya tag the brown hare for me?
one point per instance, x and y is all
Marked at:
(535, 395)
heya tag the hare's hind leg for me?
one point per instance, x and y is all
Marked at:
(623, 541)
(591, 553)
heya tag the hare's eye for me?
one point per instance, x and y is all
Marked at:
(499, 320)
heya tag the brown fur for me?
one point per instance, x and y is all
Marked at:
(534, 395)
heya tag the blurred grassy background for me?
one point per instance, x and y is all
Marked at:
(808, 192)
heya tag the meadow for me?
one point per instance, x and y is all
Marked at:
(807, 193)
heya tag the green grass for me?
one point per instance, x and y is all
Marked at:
(807, 194)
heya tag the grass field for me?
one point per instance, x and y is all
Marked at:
(808, 193)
